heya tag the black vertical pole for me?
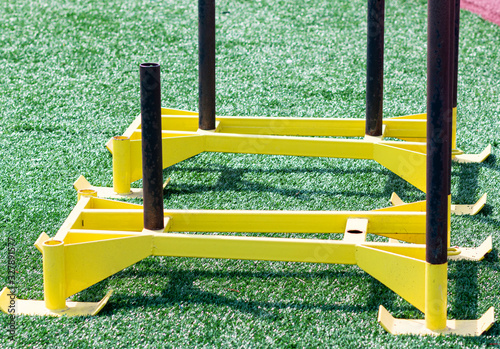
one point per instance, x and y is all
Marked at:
(375, 68)
(452, 53)
(152, 165)
(439, 121)
(206, 69)
(455, 53)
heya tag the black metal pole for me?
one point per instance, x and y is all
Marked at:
(206, 69)
(152, 165)
(453, 56)
(455, 53)
(439, 121)
(375, 68)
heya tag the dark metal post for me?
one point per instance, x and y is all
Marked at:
(454, 19)
(453, 50)
(152, 165)
(439, 121)
(455, 53)
(375, 68)
(206, 69)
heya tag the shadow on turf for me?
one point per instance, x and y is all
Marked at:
(180, 290)
(231, 179)
(464, 292)
(468, 184)
(491, 162)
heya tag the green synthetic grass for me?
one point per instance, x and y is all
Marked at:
(69, 82)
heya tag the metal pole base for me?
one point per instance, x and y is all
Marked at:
(459, 210)
(82, 184)
(454, 327)
(32, 307)
(473, 158)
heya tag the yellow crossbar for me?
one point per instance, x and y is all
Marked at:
(380, 222)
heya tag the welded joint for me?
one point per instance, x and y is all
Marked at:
(167, 223)
(376, 139)
(218, 128)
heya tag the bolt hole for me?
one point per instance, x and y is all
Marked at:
(355, 231)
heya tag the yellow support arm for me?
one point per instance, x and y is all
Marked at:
(392, 224)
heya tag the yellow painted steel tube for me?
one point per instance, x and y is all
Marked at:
(449, 222)
(256, 221)
(409, 127)
(295, 146)
(175, 150)
(54, 275)
(405, 128)
(454, 130)
(121, 164)
(293, 126)
(436, 284)
(254, 248)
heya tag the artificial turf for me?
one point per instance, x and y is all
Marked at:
(69, 82)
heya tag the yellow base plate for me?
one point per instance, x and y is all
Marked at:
(31, 307)
(457, 327)
(109, 193)
(458, 210)
(474, 158)
(473, 253)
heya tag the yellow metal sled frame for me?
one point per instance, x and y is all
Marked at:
(278, 136)
(401, 267)
(101, 237)
(410, 128)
